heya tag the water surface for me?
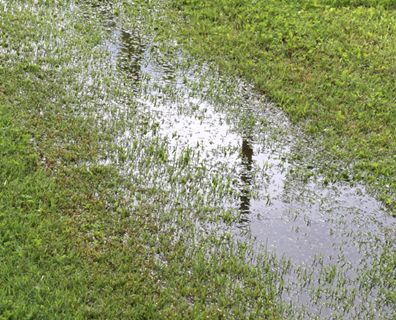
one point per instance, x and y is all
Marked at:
(234, 133)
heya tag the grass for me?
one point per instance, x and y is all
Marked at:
(329, 64)
(70, 246)
(82, 235)
(37, 255)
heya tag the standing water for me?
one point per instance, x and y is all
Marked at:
(334, 234)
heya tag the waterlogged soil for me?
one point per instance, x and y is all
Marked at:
(235, 135)
(247, 159)
(230, 163)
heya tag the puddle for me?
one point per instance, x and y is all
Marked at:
(235, 134)
(295, 218)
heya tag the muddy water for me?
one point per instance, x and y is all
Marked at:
(236, 133)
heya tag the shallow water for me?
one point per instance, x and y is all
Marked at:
(296, 218)
(236, 134)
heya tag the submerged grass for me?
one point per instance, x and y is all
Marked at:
(330, 64)
(71, 248)
(91, 225)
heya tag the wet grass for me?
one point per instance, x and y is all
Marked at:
(328, 64)
(100, 217)
(71, 245)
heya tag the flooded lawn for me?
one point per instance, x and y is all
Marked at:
(213, 171)
(245, 157)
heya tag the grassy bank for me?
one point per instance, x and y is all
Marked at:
(329, 64)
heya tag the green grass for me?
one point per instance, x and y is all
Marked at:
(72, 245)
(64, 214)
(329, 64)
(36, 253)
(48, 267)
(46, 270)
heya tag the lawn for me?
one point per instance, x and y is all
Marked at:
(86, 229)
(329, 64)
(70, 245)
